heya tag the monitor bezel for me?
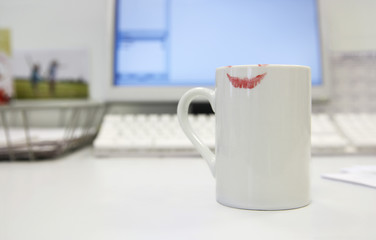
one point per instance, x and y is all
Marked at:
(114, 93)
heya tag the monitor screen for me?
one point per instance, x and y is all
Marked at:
(172, 43)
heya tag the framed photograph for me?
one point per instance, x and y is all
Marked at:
(51, 74)
(6, 88)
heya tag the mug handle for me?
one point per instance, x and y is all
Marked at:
(183, 107)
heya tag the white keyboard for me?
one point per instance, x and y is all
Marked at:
(158, 135)
(360, 129)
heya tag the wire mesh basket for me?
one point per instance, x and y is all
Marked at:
(46, 131)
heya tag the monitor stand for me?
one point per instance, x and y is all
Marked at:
(200, 108)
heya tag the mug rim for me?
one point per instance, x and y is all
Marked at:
(264, 66)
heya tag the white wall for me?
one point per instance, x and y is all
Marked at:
(350, 24)
(63, 24)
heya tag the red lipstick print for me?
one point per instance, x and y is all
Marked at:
(263, 65)
(246, 82)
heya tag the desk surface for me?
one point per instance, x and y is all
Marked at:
(81, 197)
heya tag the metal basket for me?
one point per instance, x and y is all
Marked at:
(74, 125)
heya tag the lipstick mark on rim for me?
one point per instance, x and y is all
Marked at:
(246, 82)
(263, 65)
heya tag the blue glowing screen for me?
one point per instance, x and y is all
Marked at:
(181, 42)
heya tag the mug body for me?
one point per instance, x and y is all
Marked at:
(263, 127)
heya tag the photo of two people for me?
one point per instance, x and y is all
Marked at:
(35, 77)
(50, 74)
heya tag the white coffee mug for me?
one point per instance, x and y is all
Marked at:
(263, 135)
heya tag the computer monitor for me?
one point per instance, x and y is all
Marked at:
(158, 49)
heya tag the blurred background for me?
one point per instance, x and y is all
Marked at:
(58, 24)
(72, 52)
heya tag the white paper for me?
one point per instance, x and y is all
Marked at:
(362, 175)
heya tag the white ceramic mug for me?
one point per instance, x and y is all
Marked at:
(263, 135)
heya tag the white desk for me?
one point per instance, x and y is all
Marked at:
(80, 197)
